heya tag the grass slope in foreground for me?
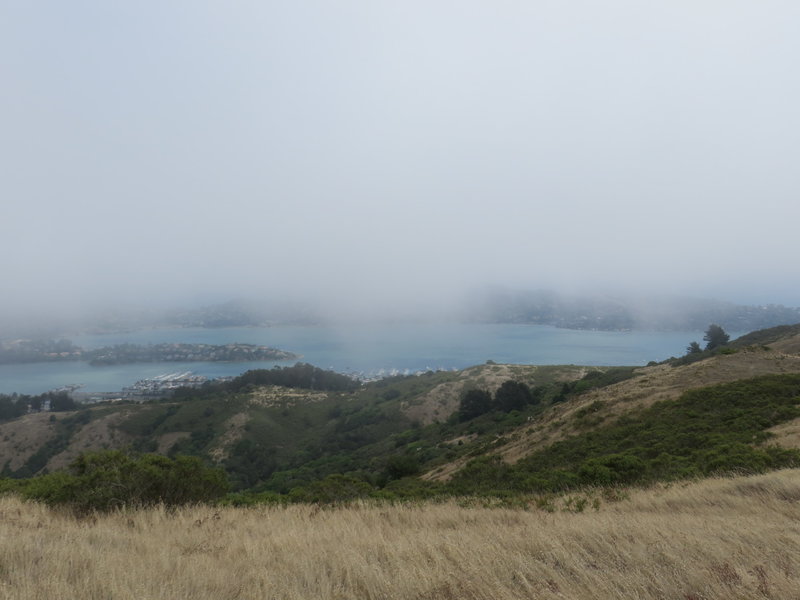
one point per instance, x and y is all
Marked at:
(712, 540)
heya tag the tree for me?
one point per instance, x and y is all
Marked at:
(10, 408)
(715, 336)
(61, 402)
(513, 395)
(693, 348)
(474, 403)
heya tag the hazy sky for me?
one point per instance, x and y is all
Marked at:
(358, 150)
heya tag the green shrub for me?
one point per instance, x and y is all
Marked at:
(102, 481)
(401, 465)
(613, 468)
(9, 485)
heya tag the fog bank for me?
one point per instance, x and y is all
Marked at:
(373, 158)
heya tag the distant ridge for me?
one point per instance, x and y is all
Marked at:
(614, 313)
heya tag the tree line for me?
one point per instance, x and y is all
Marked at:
(16, 405)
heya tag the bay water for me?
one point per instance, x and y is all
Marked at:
(363, 350)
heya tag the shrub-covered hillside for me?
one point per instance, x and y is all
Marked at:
(306, 434)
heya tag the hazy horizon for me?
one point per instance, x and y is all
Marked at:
(361, 155)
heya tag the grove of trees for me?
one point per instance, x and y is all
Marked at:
(511, 395)
(715, 337)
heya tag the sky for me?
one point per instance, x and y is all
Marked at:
(371, 153)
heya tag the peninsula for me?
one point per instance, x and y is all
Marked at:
(134, 353)
(25, 351)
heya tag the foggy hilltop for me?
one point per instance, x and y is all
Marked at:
(489, 305)
(613, 313)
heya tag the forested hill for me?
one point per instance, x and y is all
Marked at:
(304, 433)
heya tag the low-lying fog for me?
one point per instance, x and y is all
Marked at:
(370, 159)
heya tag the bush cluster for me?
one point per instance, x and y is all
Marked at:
(102, 481)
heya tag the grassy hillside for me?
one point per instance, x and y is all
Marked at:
(661, 382)
(711, 540)
(255, 430)
(720, 428)
(311, 435)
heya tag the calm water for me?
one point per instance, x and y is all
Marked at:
(367, 350)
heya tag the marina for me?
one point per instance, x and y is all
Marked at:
(163, 384)
(144, 389)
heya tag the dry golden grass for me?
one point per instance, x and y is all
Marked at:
(101, 432)
(718, 539)
(167, 440)
(21, 438)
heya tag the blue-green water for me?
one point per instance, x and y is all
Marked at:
(365, 350)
